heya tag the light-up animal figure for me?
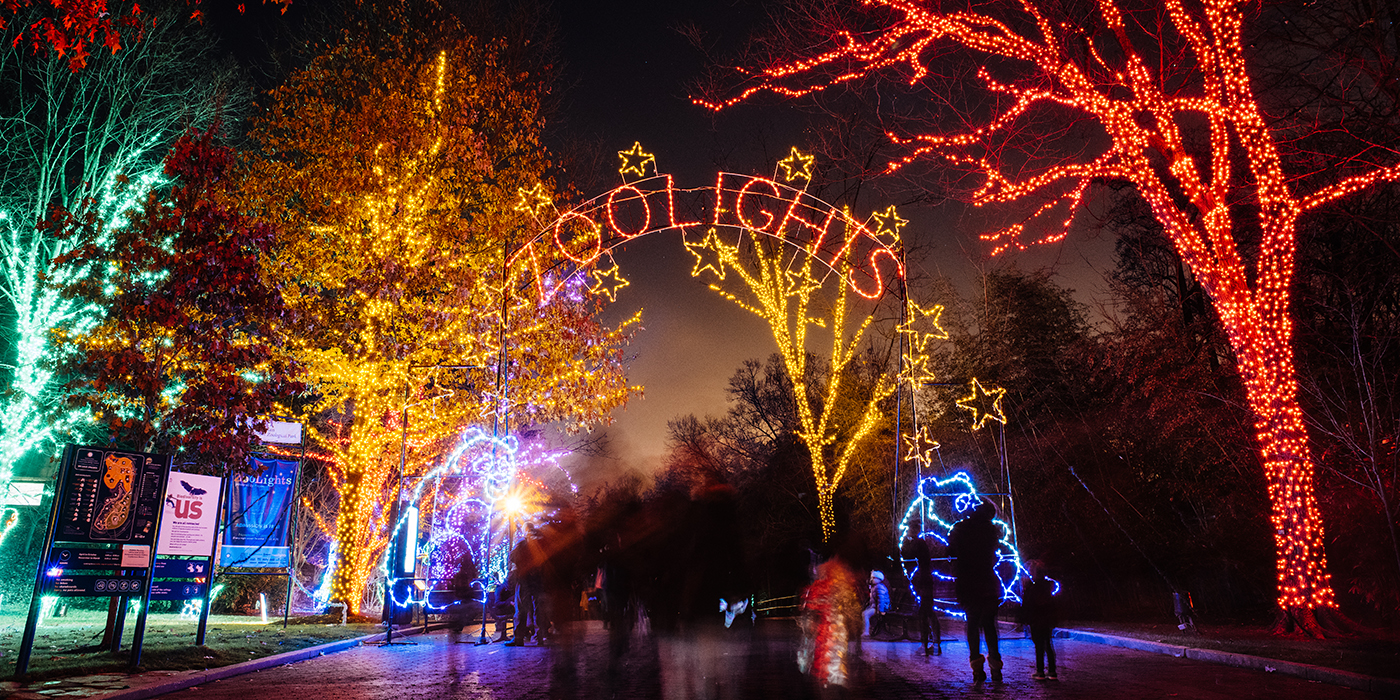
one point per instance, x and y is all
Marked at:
(939, 504)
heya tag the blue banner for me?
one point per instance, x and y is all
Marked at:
(259, 516)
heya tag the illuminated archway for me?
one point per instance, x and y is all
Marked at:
(575, 241)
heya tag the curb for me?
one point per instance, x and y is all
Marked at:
(1321, 674)
(238, 669)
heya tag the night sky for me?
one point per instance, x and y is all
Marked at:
(627, 70)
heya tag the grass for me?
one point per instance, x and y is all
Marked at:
(63, 646)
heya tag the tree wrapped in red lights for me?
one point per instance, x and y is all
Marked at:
(1167, 88)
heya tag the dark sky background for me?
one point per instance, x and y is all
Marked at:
(627, 72)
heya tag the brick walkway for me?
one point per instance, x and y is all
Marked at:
(760, 666)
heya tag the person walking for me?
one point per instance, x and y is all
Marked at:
(925, 589)
(973, 548)
(527, 558)
(879, 599)
(1038, 611)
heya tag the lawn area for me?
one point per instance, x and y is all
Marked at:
(62, 646)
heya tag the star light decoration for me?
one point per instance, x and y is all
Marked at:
(607, 282)
(636, 161)
(888, 224)
(921, 325)
(534, 200)
(712, 254)
(797, 166)
(983, 404)
(919, 446)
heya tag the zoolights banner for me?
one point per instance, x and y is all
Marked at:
(259, 511)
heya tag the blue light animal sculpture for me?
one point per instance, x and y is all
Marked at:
(939, 503)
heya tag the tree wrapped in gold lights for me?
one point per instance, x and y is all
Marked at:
(1167, 87)
(836, 414)
(396, 170)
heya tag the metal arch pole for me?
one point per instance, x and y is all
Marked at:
(899, 391)
(294, 513)
(1006, 469)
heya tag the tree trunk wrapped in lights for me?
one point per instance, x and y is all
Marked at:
(1168, 88)
(397, 170)
(835, 414)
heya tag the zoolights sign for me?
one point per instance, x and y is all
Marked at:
(753, 204)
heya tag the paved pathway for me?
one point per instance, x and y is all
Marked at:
(758, 667)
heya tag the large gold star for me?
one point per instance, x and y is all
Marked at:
(983, 404)
(607, 282)
(920, 446)
(636, 160)
(722, 254)
(922, 324)
(533, 200)
(797, 166)
(888, 223)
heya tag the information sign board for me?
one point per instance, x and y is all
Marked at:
(109, 496)
(177, 590)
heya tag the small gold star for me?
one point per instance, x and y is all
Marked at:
(607, 282)
(722, 254)
(916, 369)
(888, 223)
(983, 404)
(919, 446)
(801, 283)
(797, 166)
(636, 160)
(533, 200)
(922, 324)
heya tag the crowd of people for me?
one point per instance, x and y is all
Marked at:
(678, 567)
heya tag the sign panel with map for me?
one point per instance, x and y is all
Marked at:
(110, 496)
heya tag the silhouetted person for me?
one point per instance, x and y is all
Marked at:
(1038, 611)
(527, 557)
(973, 547)
(463, 593)
(925, 589)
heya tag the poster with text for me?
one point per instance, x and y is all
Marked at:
(190, 515)
(259, 512)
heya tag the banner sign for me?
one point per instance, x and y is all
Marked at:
(109, 496)
(95, 585)
(190, 515)
(259, 511)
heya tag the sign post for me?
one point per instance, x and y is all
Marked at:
(104, 517)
